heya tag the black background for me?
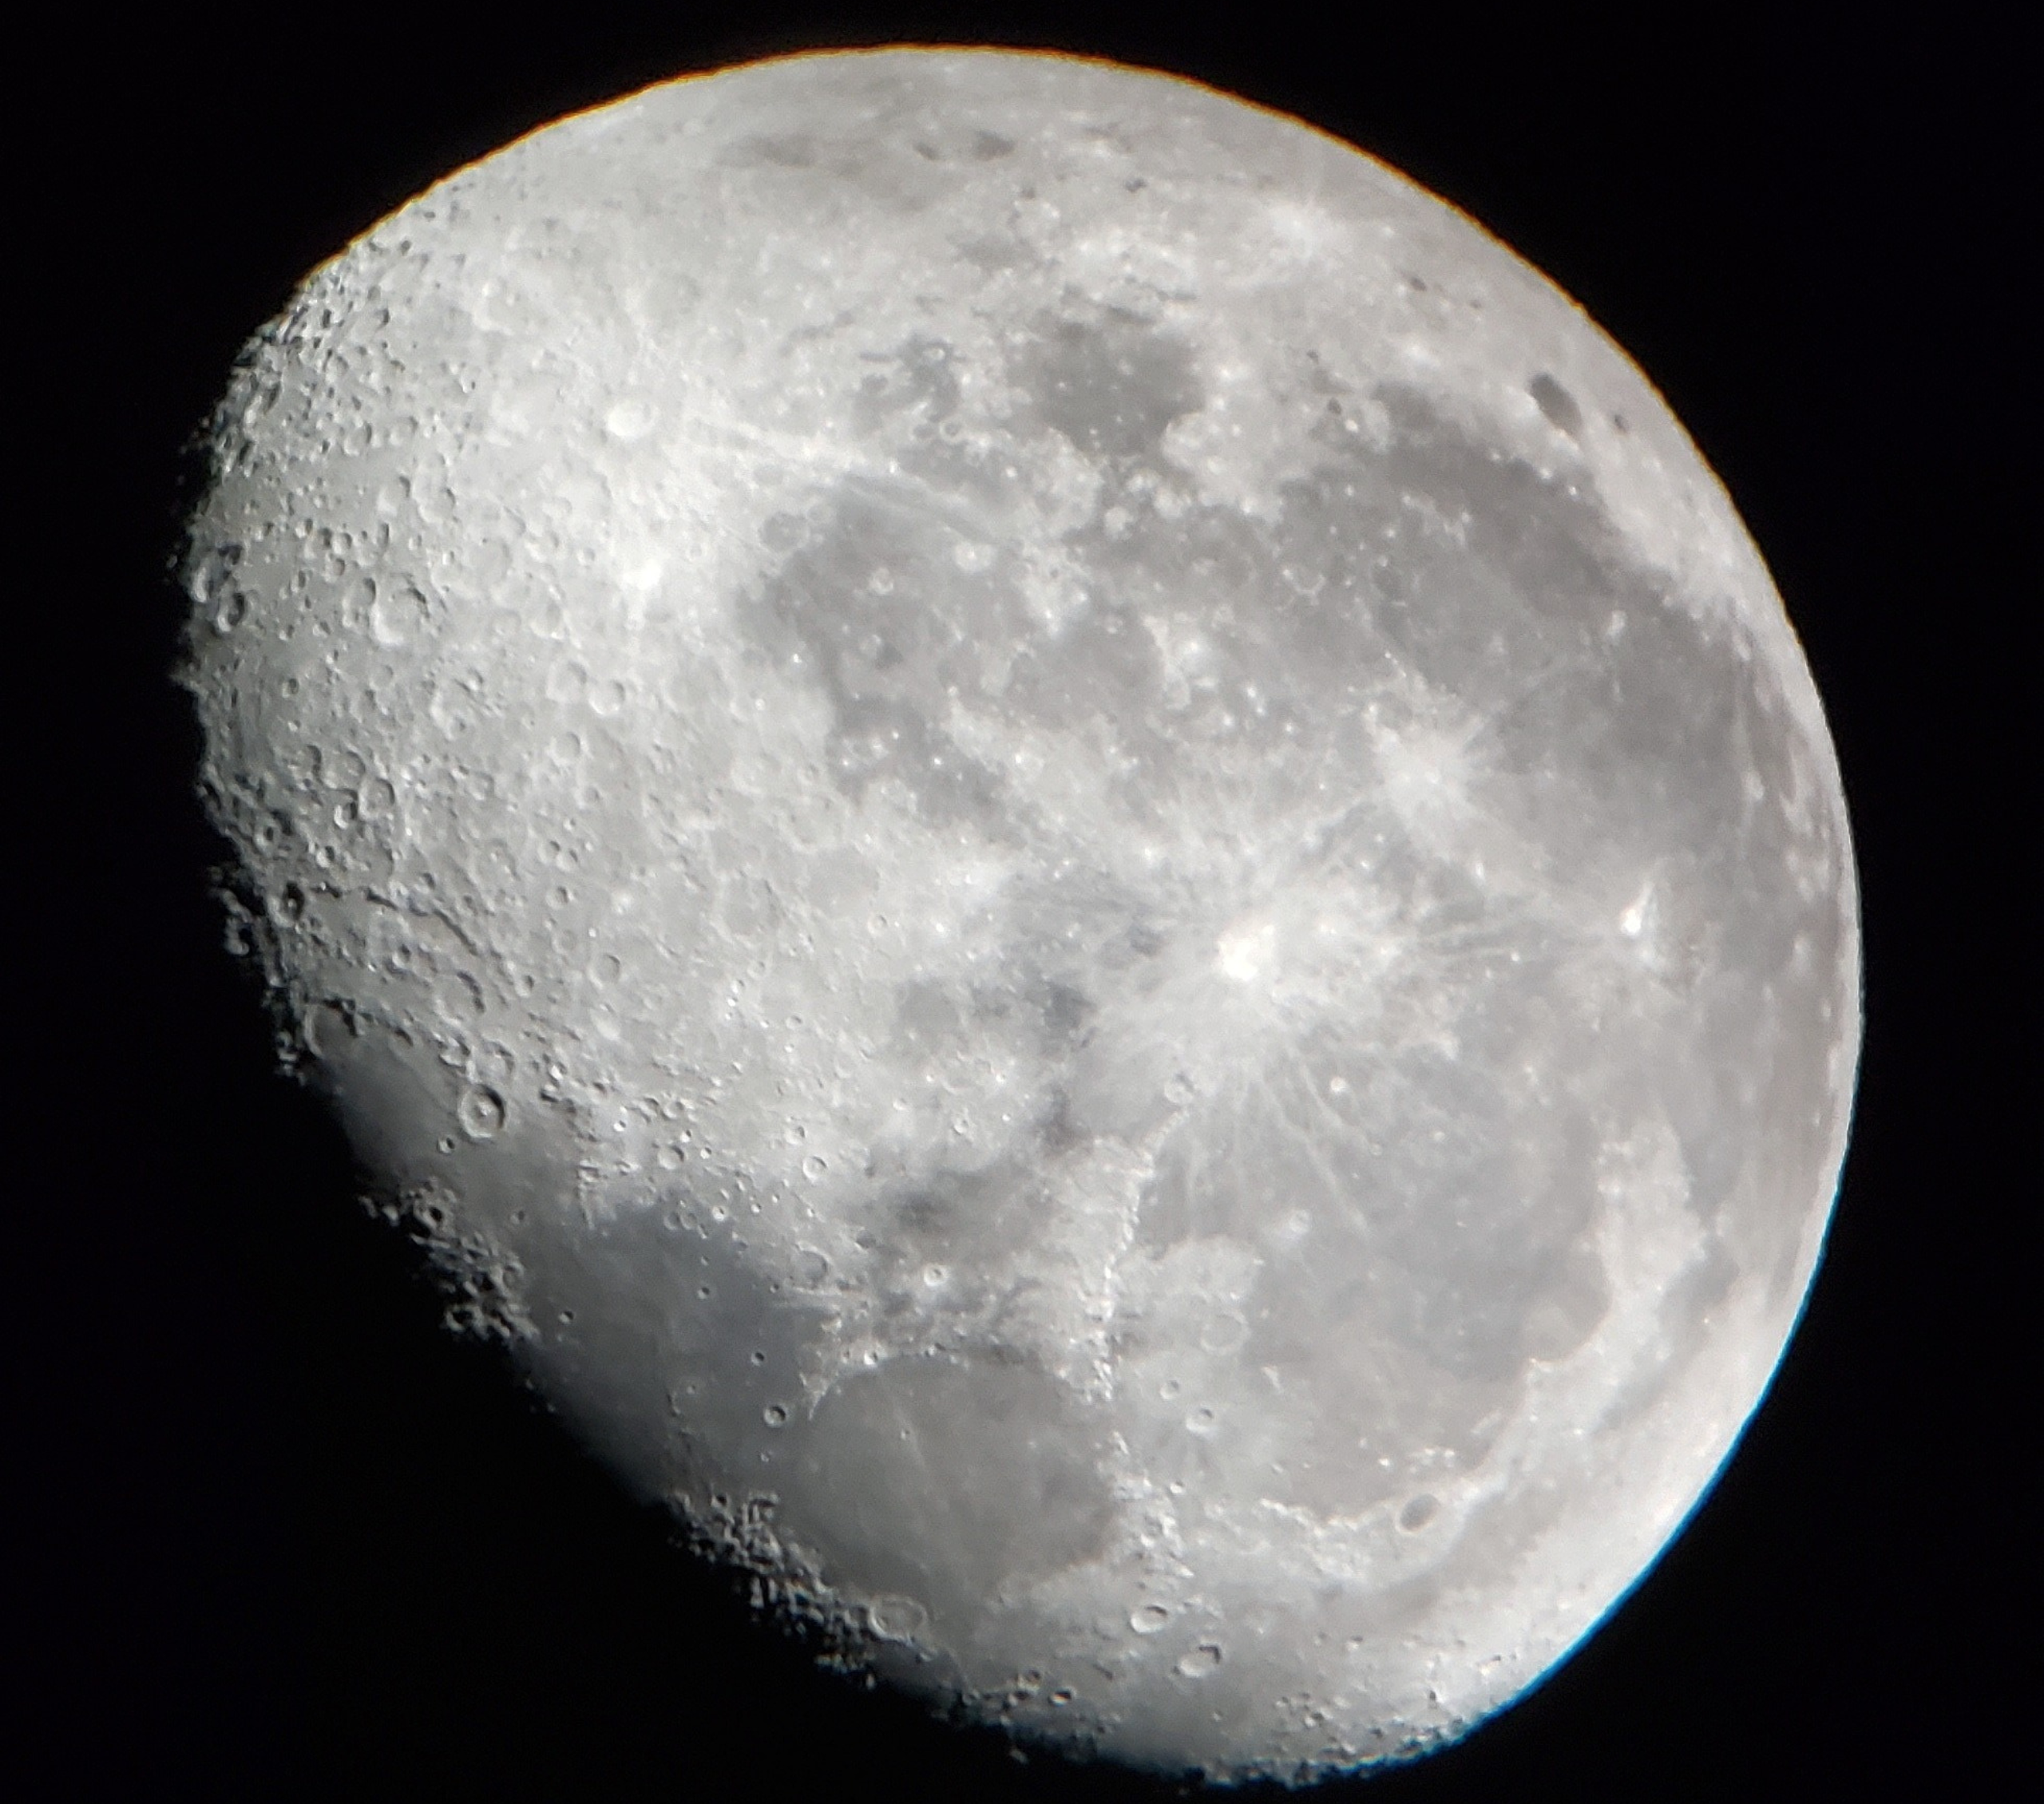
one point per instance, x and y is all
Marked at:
(285, 1540)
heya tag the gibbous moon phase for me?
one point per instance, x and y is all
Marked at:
(1070, 859)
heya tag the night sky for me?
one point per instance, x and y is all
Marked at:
(287, 1539)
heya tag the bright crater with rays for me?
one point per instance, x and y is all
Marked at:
(1070, 859)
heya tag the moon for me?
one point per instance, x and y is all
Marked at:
(1068, 858)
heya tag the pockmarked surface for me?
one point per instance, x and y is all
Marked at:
(1070, 858)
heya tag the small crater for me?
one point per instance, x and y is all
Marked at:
(1224, 1333)
(397, 613)
(458, 997)
(1418, 1511)
(897, 1619)
(209, 574)
(630, 419)
(1198, 1662)
(327, 1029)
(1557, 403)
(1149, 1618)
(480, 1111)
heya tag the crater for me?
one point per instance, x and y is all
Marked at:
(1556, 403)
(1418, 1511)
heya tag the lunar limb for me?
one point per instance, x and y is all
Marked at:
(1069, 858)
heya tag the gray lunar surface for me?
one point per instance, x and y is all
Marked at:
(1069, 858)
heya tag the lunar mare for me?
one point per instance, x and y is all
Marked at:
(1071, 859)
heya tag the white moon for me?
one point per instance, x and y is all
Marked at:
(1071, 858)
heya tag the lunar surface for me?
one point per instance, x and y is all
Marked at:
(1070, 859)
